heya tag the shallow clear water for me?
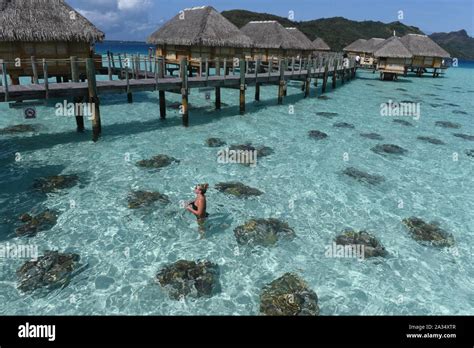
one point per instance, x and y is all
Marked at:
(302, 182)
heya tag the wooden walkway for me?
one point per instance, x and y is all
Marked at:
(143, 80)
(80, 89)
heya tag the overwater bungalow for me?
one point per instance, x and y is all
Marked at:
(365, 50)
(272, 41)
(303, 39)
(44, 29)
(393, 58)
(198, 33)
(320, 45)
(426, 53)
(355, 48)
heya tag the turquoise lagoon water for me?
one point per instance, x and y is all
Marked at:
(303, 185)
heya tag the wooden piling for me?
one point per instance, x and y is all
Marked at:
(308, 80)
(218, 89)
(146, 67)
(74, 69)
(161, 74)
(281, 83)
(225, 68)
(109, 66)
(157, 61)
(334, 74)
(133, 61)
(343, 72)
(93, 99)
(77, 100)
(242, 85)
(184, 91)
(129, 91)
(79, 114)
(46, 79)
(325, 77)
(112, 59)
(34, 68)
(138, 66)
(257, 84)
(5, 79)
(120, 66)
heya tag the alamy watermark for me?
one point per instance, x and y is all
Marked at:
(348, 251)
(75, 109)
(227, 156)
(18, 251)
(408, 109)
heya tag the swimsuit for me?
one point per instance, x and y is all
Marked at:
(196, 208)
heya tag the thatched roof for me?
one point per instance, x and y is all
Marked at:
(422, 45)
(44, 20)
(320, 45)
(364, 46)
(302, 38)
(356, 46)
(271, 34)
(200, 26)
(393, 48)
(372, 45)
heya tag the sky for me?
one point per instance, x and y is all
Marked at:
(137, 19)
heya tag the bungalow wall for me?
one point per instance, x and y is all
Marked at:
(10, 51)
(427, 62)
(174, 53)
(268, 54)
(393, 65)
(366, 59)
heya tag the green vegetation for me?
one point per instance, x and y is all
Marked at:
(338, 32)
(458, 43)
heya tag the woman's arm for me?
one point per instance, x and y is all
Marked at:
(200, 208)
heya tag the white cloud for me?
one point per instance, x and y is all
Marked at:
(102, 20)
(127, 19)
(124, 5)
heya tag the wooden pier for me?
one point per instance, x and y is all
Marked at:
(138, 74)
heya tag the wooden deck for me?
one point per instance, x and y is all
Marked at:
(138, 78)
(80, 89)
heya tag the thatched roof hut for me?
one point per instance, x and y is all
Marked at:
(49, 29)
(200, 26)
(393, 58)
(371, 45)
(302, 38)
(426, 53)
(271, 40)
(422, 45)
(392, 48)
(44, 21)
(199, 32)
(365, 50)
(364, 46)
(270, 34)
(356, 46)
(320, 45)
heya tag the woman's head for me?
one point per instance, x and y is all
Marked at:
(201, 188)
